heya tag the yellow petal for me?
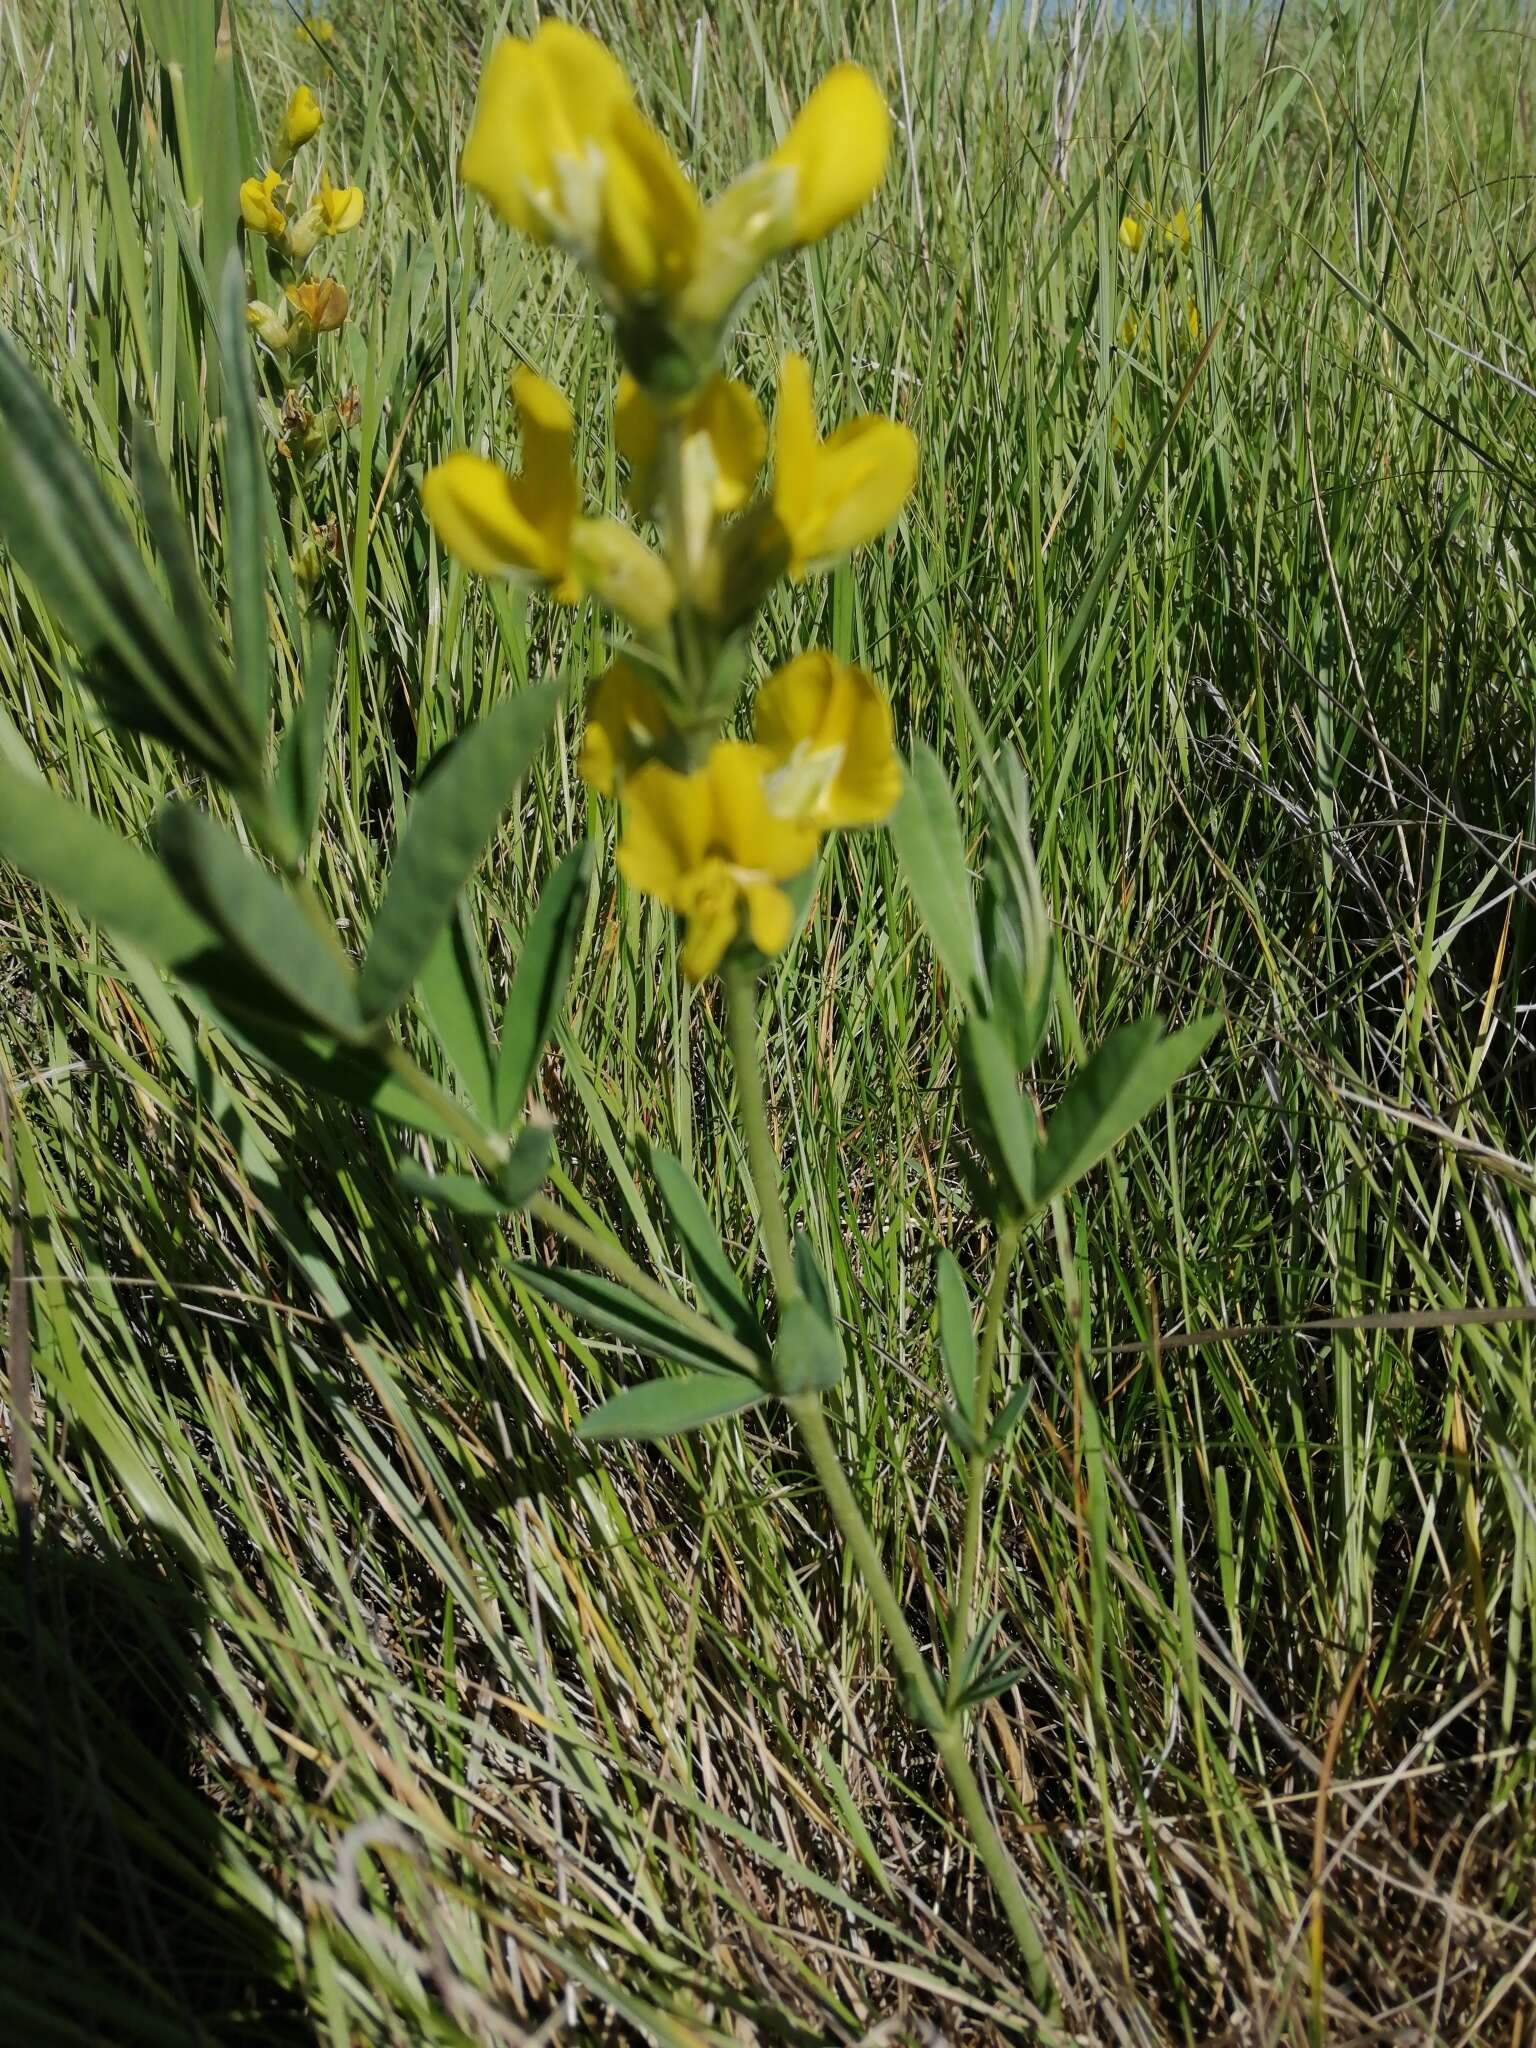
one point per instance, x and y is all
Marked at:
(769, 847)
(711, 906)
(541, 103)
(668, 820)
(651, 213)
(626, 721)
(826, 727)
(301, 120)
(548, 492)
(1132, 232)
(729, 414)
(770, 917)
(322, 301)
(831, 497)
(475, 511)
(258, 206)
(796, 445)
(837, 148)
(340, 206)
(636, 432)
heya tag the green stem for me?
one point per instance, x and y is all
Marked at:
(922, 1692)
(963, 1606)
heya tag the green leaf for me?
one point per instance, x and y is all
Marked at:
(958, 1429)
(1124, 1081)
(459, 1191)
(64, 534)
(527, 1166)
(99, 873)
(299, 781)
(708, 1263)
(168, 530)
(457, 808)
(957, 1335)
(925, 828)
(538, 986)
(659, 1408)
(605, 1305)
(996, 1114)
(452, 990)
(265, 927)
(1006, 1421)
(245, 502)
(808, 1352)
(350, 1074)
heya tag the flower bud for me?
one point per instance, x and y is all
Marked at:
(622, 573)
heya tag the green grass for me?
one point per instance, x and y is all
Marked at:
(353, 1699)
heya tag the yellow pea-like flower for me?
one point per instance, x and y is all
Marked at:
(526, 527)
(301, 121)
(315, 28)
(1176, 232)
(836, 150)
(520, 526)
(259, 208)
(626, 723)
(269, 325)
(1192, 319)
(322, 301)
(340, 206)
(831, 496)
(709, 847)
(723, 413)
(1133, 232)
(826, 727)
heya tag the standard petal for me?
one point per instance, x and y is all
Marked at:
(668, 819)
(770, 916)
(837, 148)
(868, 468)
(651, 213)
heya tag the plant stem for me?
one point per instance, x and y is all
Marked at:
(924, 1698)
(963, 1606)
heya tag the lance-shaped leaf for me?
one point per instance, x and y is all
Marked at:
(452, 990)
(352, 1074)
(538, 986)
(97, 872)
(996, 1114)
(245, 502)
(605, 1305)
(660, 1408)
(708, 1262)
(925, 828)
(264, 927)
(456, 810)
(957, 1334)
(1126, 1079)
(808, 1352)
(143, 663)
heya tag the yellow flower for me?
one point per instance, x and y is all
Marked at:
(300, 122)
(836, 150)
(1192, 319)
(724, 415)
(258, 204)
(269, 325)
(626, 722)
(1176, 234)
(1132, 328)
(501, 525)
(315, 27)
(559, 149)
(322, 301)
(831, 496)
(1132, 232)
(708, 846)
(826, 728)
(340, 206)
(526, 526)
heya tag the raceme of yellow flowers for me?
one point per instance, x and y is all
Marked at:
(719, 829)
(312, 306)
(1171, 238)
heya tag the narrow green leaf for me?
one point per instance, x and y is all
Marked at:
(452, 990)
(996, 1114)
(453, 1190)
(168, 530)
(245, 503)
(299, 781)
(99, 873)
(527, 1166)
(605, 1305)
(350, 1074)
(925, 828)
(957, 1335)
(1124, 1081)
(808, 1352)
(660, 1408)
(538, 986)
(1007, 1421)
(708, 1263)
(455, 812)
(263, 925)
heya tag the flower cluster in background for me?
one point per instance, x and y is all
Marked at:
(269, 208)
(715, 827)
(1163, 246)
